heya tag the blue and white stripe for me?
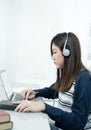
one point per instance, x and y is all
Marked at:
(66, 99)
(65, 102)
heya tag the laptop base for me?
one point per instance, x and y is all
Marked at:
(7, 105)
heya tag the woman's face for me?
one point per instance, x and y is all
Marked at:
(57, 57)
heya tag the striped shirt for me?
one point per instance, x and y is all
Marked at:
(65, 102)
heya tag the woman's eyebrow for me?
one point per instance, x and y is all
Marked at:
(54, 49)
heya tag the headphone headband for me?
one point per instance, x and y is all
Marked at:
(66, 52)
(66, 41)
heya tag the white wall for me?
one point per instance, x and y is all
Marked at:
(26, 29)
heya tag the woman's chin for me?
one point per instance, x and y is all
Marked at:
(57, 67)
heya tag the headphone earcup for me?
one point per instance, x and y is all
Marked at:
(66, 52)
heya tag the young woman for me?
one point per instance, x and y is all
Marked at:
(72, 87)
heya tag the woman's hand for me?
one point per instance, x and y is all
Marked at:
(28, 94)
(29, 106)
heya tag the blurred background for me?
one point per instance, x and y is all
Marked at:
(26, 30)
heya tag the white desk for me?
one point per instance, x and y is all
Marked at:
(29, 121)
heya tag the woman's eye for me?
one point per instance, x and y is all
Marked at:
(54, 52)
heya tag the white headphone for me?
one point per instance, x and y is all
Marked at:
(66, 52)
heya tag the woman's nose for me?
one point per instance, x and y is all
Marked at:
(52, 57)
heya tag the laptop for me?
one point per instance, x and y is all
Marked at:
(9, 92)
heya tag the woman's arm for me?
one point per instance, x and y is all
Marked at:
(47, 92)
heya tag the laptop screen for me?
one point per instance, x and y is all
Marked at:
(5, 82)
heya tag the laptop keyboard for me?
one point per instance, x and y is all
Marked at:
(17, 97)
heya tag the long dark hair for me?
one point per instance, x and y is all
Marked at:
(72, 63)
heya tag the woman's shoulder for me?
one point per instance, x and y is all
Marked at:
(83, 79)
(84, 74)
(83, 82)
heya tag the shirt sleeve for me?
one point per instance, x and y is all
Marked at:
(75, 120)
(47, 92)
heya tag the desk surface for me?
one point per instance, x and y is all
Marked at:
(29, 121)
